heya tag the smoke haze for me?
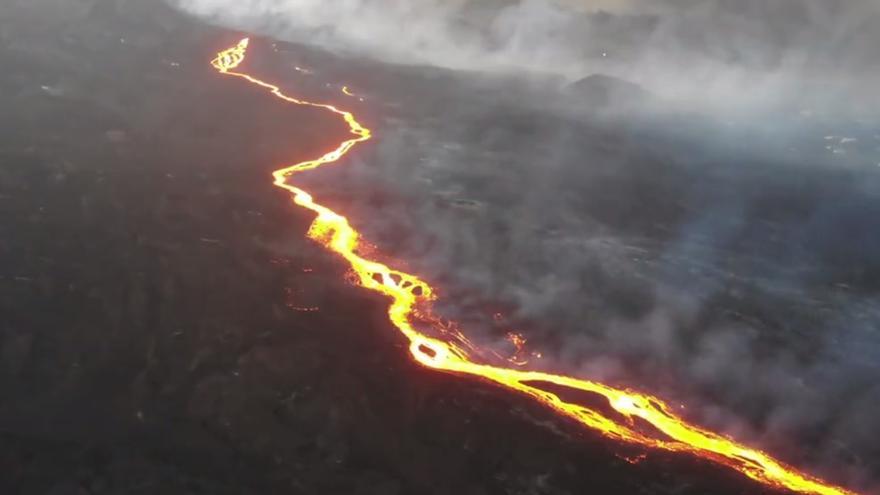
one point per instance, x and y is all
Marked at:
(713, 275)
(721, 52)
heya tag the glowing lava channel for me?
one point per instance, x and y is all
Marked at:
(410, 302)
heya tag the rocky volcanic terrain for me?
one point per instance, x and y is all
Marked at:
(165, 326)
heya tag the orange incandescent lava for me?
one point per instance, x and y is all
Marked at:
(630, 416)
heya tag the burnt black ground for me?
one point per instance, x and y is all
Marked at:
(148, 278)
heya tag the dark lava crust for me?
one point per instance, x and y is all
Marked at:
(149, 275)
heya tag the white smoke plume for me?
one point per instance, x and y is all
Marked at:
(726, 52)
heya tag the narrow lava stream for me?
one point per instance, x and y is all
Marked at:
(441, 348)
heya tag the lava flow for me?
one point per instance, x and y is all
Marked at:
(632, 417)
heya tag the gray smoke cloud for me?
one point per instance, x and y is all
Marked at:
(719, 52)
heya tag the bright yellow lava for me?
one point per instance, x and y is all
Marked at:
(411, 298)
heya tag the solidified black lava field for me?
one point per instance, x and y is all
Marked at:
(153, 282)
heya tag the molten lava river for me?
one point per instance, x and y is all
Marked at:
(438, 347)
